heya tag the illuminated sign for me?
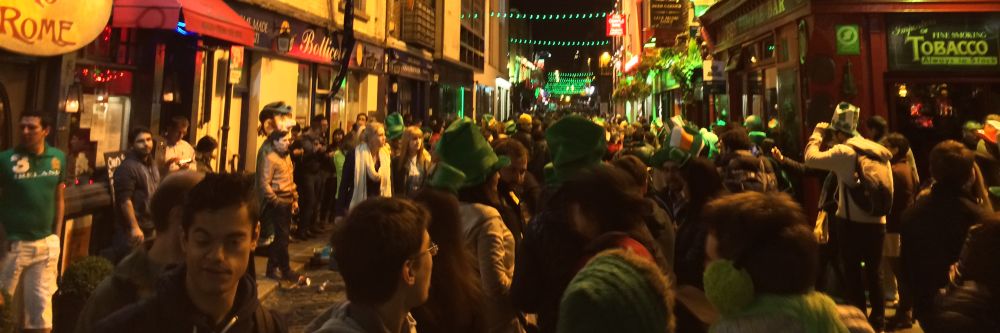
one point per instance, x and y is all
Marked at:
(616, 24)
(944, 41)
(51, 27)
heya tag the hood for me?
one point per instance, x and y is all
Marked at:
(172, 303)
(869, 147)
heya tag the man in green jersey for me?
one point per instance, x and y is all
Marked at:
(31, 212)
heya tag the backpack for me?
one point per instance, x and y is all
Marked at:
(749, 173)
(872, 189)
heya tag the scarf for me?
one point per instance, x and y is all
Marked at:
(364, 168)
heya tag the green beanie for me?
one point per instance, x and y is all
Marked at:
(394, 126)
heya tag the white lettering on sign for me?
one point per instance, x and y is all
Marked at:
(51, 27)
(310, 46)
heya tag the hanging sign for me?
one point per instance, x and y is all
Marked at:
(848, 39)
(940, 42)
(235, 64)
(51, 27)
(615, 25)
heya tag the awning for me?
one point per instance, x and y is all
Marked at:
(211, 18)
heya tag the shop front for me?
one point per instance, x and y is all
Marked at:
(926, 66)
(409, 81)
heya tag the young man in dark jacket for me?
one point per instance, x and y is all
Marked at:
(934, 229)
(211, 291)
(134, 278)
(973, 305)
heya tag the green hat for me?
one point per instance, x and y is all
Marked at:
(753, 123)
(757, 137)
(463, 147)
(617, 291)
(394, 126)
(684, 142)
(510, 127)
(446, 177)
(486, 119)
(575, 143)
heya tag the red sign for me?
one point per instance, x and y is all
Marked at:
(616, 25)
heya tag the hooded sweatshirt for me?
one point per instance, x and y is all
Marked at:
(841, 159)
(133, 279)
(171, 311)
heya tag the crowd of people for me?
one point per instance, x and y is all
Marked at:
(535, 224)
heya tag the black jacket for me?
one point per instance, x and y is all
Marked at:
(933, 232)
(547, 259)
(970, 308)
(171, 311)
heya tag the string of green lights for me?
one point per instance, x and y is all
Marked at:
(526, 16)
(559, 42)
(552, 75)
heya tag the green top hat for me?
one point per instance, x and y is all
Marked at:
(753, 123)
(446, 177)
(575, 143)
(463, 147)
(394, 126)
(757, 137)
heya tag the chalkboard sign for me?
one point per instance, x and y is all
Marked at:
(112, 160)
(668, 14)
(944, 42)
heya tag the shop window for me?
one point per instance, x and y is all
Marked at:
(114, 45)
(928, 113)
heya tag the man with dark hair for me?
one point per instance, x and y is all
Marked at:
(519, 195)
(135, 180)
(310, 175)
(740, 169)
(175, 153)
(972, 305)
(935, 227)
(384, 279)
(276, 116)
(212, 290)
(763, 262)
(135, 276)
(31, 214)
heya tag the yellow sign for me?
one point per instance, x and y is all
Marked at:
(51, 27)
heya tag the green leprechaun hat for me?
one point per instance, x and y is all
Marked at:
(394, 126)
(446, 177)
(463, 147)
(575, 143)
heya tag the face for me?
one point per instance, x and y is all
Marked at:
(143, 144)
(324, 126)
(378, 140)
(32, 132)
(281, 145)
(216, 248)
(417, 272)
(338, 137)
(177, 133)
(514, 173)
(362, 120)
(416, 143)
(668, 177)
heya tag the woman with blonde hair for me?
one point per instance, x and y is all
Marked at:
(412, 165)
(366, 169)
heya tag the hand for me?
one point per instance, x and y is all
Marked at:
(777, 154)
(822, 125)
(295, 207)
(135, 236)
(173, 160)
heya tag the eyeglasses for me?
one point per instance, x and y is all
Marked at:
(433, 250)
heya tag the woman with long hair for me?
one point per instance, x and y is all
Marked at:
(367, 169)
(464, 149)
(456, 298)
(411, 167)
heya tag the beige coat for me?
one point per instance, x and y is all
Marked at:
(493, 247)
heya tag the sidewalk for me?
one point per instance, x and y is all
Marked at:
(299, 252)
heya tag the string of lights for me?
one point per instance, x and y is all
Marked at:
(572, 16)
(560, 42)
(552, 75)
